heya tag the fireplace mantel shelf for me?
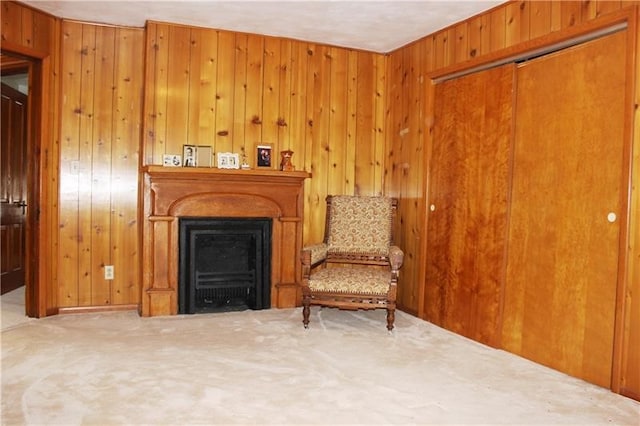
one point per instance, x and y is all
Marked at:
(171, 193)
(215, 174)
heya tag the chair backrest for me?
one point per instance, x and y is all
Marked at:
(359, 225)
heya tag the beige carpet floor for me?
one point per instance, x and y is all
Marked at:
(263, 367)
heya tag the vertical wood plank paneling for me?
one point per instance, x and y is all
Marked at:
(410, 174)
(397, 95)
(351, 127)
(101, 134)
(161, 134)
(270, 94)
(402, 133)
(315, 189)
(178, 76)
(321, 124)
(207, 78)
(49, 39)
(379, 142)
(298, 102)
(540, 18)
(461, 41)
(284, 101)
(439, 51)
(450, 43)
(27, 27)
(337, 129)
(101, 165)
(394, 111)
(224, 92)
(479, 36)
(364, 172)
(570, 13)
(498, 30)
(85, 154)
(11, 22)
(69, 164)
(193, 106)
(124, 179)
(149, 139)
(253, 109)
(43, 34)
(311, 202)
(240, 92)
(518, 22)
(277, 110)
(602, 7)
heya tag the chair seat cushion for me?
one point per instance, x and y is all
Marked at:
(356, 280)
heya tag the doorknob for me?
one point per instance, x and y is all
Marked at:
(611, 217)
(22, 204)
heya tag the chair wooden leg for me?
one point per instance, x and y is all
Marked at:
(391, 317)
(306, 310)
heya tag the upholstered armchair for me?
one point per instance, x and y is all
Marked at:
(356, 266)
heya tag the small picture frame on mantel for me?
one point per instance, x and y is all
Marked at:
(228, 160)
(204, 156)
(171, 160)
(189, 155)
(264, 155)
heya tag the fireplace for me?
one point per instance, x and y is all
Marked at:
(225, 264)
(171, 195)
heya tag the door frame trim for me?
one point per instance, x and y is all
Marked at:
(40, 297)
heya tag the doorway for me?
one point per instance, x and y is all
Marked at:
(19, 177)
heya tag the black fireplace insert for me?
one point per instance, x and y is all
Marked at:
(225, 264)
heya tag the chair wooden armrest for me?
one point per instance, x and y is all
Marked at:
(314, 254)
(396, 258)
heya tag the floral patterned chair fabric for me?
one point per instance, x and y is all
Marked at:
(356, 266)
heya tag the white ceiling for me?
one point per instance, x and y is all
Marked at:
(374, 25)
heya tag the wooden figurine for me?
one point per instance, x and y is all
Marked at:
(285, 162)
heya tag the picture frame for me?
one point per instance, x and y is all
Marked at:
(204, 156)
(171, 160)
(228, 160)
(189, 155)
(263, 153)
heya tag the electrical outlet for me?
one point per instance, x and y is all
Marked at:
(108, 272)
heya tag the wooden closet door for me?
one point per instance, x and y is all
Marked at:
(468, 189)
(563, 236)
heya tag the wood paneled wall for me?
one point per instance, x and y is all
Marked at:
(234, 91)
(100, 115)
(508, 26)
(409, 98)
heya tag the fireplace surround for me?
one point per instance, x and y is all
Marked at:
(169, 194)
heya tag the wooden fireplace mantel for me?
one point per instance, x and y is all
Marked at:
(168, 193)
